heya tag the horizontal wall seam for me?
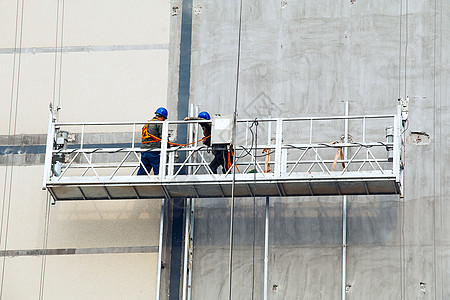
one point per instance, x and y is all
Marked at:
(72, 251)
(68, 49)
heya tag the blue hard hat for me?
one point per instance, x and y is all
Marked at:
(204, 115)
(162, 112)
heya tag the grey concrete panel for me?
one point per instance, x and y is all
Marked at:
(420, 266)
(443, 289)
(442, 111)
(304, 273)
(373, 220)
(313, 273)
(443, 188)
(300, 58)
(211, 240)
(419, 222)
(213, 68)
(374, 272)
(210, 273)
(174, 58)
(294, 273)
(211, 222)
(306, 222)
(298, 232)
(311, 221)
(296, 60)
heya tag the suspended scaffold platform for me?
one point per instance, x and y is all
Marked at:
(283, 157)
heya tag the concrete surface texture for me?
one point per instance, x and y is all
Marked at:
(300, 58)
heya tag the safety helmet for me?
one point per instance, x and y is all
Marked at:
(162, 112)
(204, 115)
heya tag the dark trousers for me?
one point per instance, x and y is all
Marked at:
(150, 160)
(220, 159)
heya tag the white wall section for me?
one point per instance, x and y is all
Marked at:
(101, 60)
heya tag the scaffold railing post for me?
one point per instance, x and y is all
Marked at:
(48, 151)
(163, 157)
(397, 144)
(279, 140)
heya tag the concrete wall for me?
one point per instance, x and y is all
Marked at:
(98, 61)
(302, 58)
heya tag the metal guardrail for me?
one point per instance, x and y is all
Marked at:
(307, 147)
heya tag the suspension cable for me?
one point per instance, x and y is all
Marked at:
(12, 129)
(402, 203)
(255, 122)
(233, 186)
(45, 245)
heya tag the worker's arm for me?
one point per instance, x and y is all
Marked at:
(159, 128)
(192, 118)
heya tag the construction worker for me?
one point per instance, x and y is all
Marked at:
(206, 127)
(220, 151)
(151, 139)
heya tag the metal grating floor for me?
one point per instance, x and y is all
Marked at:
(217, 186)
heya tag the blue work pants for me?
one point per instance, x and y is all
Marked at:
(150, 159)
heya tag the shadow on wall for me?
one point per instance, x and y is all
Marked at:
(104, 223)
(371, 220)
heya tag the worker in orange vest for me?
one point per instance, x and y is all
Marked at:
(151, 140)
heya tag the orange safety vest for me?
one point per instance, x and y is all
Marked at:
(146, 135)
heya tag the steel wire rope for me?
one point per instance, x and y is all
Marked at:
(55, 69)
(44, 246)
(255, 122)
(12, 126)
(61, 52)
(400, 53)
(440, 118)
(405, 78)
(406, 52)
(436, 152)
(406, 44)
(57, 74)
(401, 200)
(248, 151)
(233, 185)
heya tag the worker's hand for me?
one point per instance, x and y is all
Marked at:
(186, 119)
